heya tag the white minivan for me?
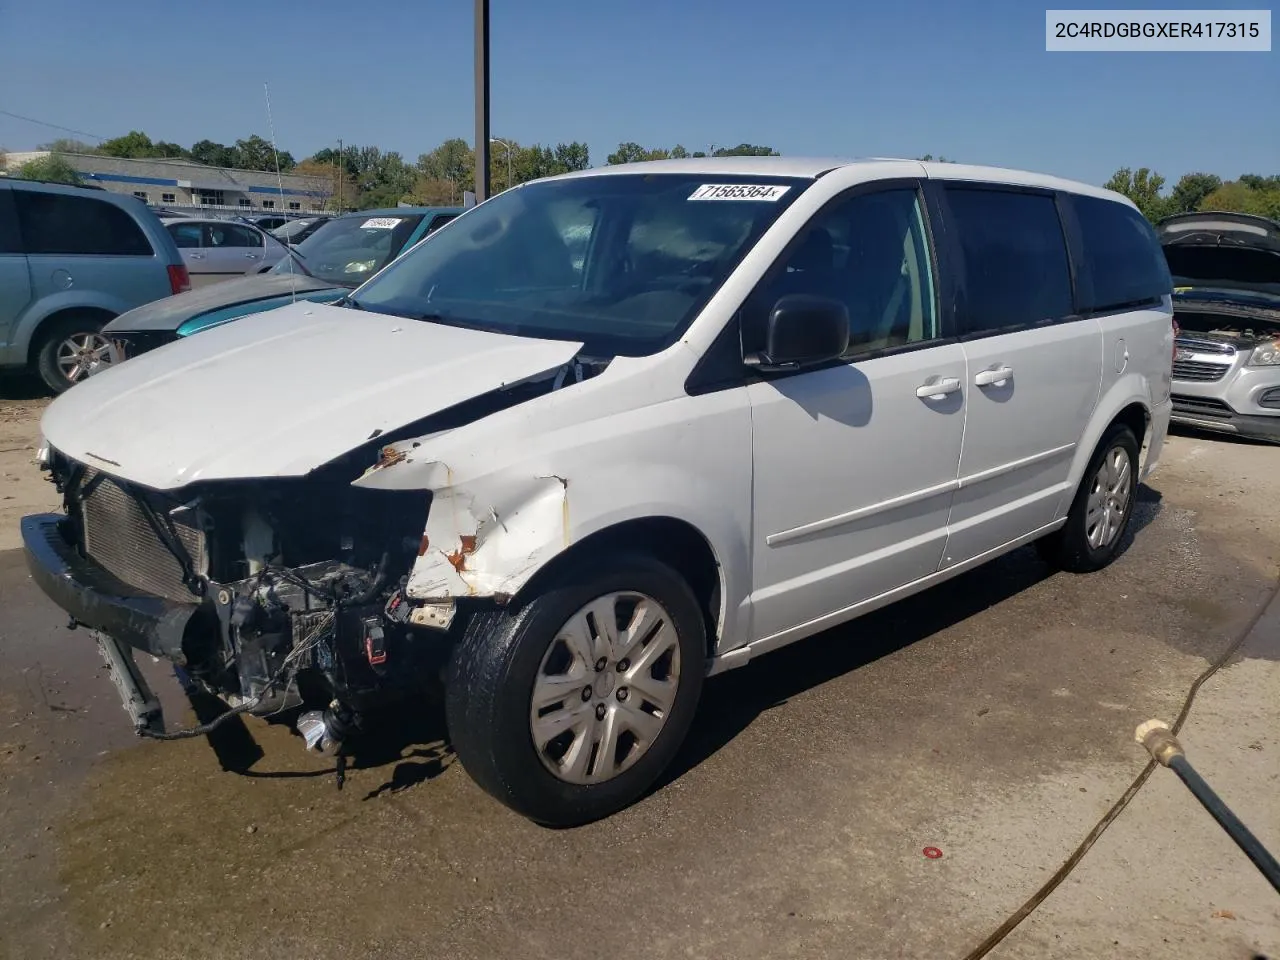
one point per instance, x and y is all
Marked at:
(607, 434)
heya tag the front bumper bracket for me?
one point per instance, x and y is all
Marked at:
(136, 696)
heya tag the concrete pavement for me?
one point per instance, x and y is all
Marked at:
(991, 717)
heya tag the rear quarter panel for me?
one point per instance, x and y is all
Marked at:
(1137, 367)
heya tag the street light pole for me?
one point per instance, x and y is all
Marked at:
(508, 147)
(482, 100)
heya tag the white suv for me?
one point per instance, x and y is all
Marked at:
(607, 434)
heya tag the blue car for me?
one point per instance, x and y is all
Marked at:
(333, 261)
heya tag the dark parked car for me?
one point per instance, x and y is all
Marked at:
(342, 254)
(295, 231)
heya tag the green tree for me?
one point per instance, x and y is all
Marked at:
(166, 149)
(572, 156)
(1239, 197)
(67, 145)
(1190, 190)
(213, 154)
(453, 163)
(629, 152)
(745, 150)
(255, 153)
(1255, 182)
(54, 168)
(134, 145)
(1143, 188)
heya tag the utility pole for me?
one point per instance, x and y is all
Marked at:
(482, 100)
(339, 175)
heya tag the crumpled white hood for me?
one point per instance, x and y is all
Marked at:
(280, 396)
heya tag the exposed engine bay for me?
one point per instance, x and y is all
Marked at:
(1242, 327)
(286, 592)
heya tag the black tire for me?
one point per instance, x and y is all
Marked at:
(1069, 548)
(491, 677)
(51, 336)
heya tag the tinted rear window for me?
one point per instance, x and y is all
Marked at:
(63, 224)
(1122, 262)
(1015, 266)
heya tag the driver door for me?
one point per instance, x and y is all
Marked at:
(855, 464)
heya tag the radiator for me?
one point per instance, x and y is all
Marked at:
(118, 537)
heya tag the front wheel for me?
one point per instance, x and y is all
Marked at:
(570, 708)
(1102, 508)
(73, 349)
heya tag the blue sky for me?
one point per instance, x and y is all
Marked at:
(809, 77)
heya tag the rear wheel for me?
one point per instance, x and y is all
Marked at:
(1102, 508)
(71, 349)
(571, 707)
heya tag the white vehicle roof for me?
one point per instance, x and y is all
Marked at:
(813, 167)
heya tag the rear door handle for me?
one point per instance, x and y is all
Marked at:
(938, 388)
(988, 377)
(196, 256)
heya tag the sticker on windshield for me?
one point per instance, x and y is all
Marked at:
(381, 223)
(738, 191)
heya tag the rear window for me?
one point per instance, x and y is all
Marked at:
(1015, 266)
(56, 223)
(1122, 262)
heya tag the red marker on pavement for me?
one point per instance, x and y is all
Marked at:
(933, 853)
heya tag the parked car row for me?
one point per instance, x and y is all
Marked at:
(603, 436)
(335, 259)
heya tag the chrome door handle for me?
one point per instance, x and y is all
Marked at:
(988, 377)
(196, 256)
(938, 388)
(251, 256)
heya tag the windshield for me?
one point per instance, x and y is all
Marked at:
(292, 228)
(349, 250)
(622, 262)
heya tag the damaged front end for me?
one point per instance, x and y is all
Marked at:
(271, 594)
(268, 594)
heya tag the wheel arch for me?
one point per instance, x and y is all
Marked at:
(49, 320)
(670, 540)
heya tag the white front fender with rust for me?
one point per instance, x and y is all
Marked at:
(514, 490)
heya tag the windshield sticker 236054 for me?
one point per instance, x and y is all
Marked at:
(738, 191)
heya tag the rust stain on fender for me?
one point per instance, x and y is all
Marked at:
(459, 557)
(389, 456)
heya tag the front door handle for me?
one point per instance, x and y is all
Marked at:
(938, 388)
(999, 375)
(251, 256)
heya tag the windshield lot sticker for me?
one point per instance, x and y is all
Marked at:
(738, 191)
(380, 223)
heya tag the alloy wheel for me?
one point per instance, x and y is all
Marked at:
(605, 688)
(1109, 497)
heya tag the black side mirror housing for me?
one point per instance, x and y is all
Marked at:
(803, 331)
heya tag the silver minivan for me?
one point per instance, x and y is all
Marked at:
(71, 260)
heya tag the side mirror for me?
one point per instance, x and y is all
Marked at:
(803, 331)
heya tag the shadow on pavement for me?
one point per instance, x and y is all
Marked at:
(732, 701)
(23, 386)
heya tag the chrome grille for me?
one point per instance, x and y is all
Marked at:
(119, 538)
(1206, 346)
(1199, 371)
